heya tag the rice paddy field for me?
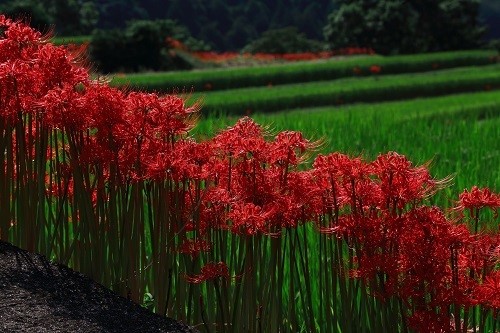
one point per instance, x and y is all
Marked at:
(301, 71)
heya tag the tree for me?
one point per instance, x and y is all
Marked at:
(66, 14)
(31, 11)
(89, 16)
(405, 26)
(285, 40)
(141, 45)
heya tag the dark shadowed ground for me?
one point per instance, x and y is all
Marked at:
(38, 296)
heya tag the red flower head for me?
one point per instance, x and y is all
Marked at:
(478, 198)
(245, 137)
(488, 293)
(375, 69)
(289, 148)
(193, 247)
(211, 271)
(247, 218)
(400, 181)
(340, 165)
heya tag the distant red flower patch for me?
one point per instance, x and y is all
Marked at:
(301, 56)
(375, 69)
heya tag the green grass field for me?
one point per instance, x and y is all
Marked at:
(230, 78)
(64, 40)
(351, 90)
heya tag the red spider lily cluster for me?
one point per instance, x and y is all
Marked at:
(210, 56)
(209, 272)
(113, 163)
(225, 56)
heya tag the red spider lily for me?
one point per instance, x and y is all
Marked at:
(164, 116)
(375, 69)
(16, 39)
(288, 148)
(304, 198)
(245, 137)
(400, 182)
(65, 108)
(474, 201)
(430, 322)
(341, 177)
(105, 105)
(187, 160)
(424, 241)
(488, 293)
(341, 166)
(247, 218)
(478, 198)
(211, 271)
(56, 66)
(193, 247)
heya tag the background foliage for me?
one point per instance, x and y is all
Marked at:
(142, 44)
(395, 26)
(230, 25)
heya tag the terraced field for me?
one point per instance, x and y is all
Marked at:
(289, 73)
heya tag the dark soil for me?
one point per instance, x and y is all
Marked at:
(38, 296)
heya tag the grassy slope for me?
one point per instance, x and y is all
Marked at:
(350, 90)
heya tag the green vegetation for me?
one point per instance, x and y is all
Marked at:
(285, 40)
(217, 79)
(352, 90)
(141, 45)
(413, 26)
(78, 40)
(66, 17)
